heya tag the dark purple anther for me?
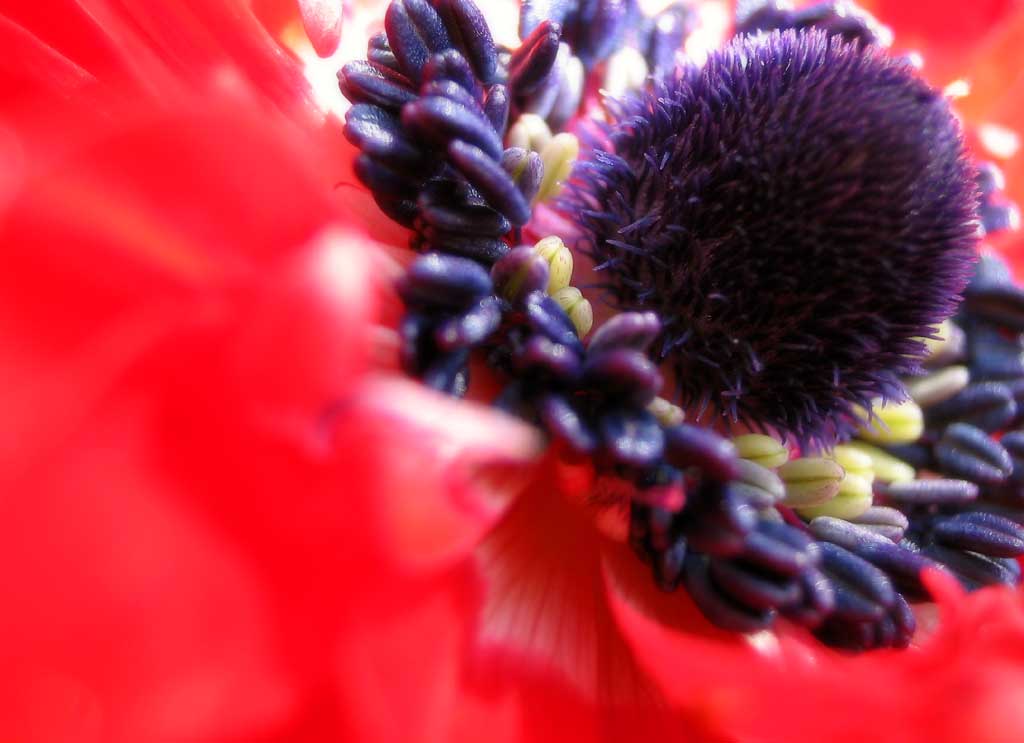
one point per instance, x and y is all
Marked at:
(902, 565)
(701, 448)
(496, 107)
(668, 566)
(835, 17)
(491, 180)
(1013, 442)
(470, 219)
(471, 328)
(967, 452)
(719, 520)
(990, 178)
(565, 424)
(857, 577)
(520, 273)
(469, 30)
(545, 316)
(534, 12)
(449, 374)
(719, 608)
(451, 65)
(406, 34)
(817, 600)
(917, 455)
(436, 280)
(985, 533)
(779, 548)
(479, 248)
(764, 16)
(989, 406)
(416, 352)
(928, 492)
(753, 588)
(1000, 304)
(384, 180)
(378, 51)
(999, 216)
(994, 357)
(669, 30)
(632, 438)
(626, 330)
(362, 82)
(441, 120)
(532, 61)
(600, 25)
(974, 570)
(624, 375)
(378, 133)
(990, 270)
(540, 356)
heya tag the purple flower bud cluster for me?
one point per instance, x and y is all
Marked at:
(431, 108)
(798, 212)
(835, 17)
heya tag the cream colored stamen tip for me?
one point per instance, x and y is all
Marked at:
(558, 156)
(764, 450)
(944, 331)
(668, 415)
(900, 423)
(560, 262)
(846, 505)
(577, 307)
(529, 132)
(940, 386)
(886, 467)
(626, 70)
(811, 481)
(854, 461)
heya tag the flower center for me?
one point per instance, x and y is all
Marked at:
(786, 227)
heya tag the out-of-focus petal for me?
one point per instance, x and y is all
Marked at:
(170, 49)
(448, 471)
(322, 21)
(943, 31)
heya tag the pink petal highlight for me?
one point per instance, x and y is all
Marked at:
(322, 21)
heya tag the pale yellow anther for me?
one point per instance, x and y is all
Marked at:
(936, 345)
(577, 307)
(668, 415)
(625, 70)
(893, 423)
(854, 461)
(886, 467)
(558, 156)
(529, 132)
(811, 480)
(853, 499)
(559, 259)
(764, 450)
(854, 496)
(940, 386)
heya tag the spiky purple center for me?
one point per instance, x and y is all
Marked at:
(798, 211)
